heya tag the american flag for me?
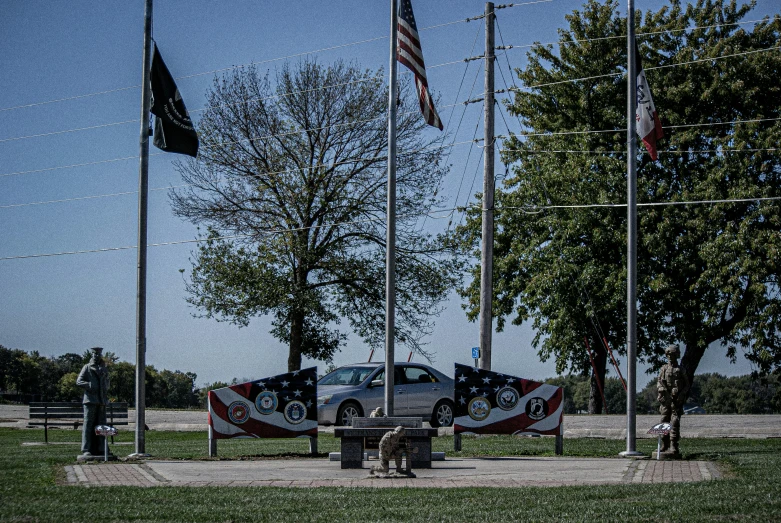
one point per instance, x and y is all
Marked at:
(410, 54)
(493, 403)
(282, 406)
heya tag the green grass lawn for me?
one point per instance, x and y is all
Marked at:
(32, 489)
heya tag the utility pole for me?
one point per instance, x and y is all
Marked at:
(631, 239)
(487, 249)
(143, 189)
(390, 242)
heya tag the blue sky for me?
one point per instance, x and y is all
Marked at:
(58, 144)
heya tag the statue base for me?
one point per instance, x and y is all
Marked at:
(666, 455)
(87, 456)
(390, 475)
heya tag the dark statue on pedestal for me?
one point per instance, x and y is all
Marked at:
(672, 387)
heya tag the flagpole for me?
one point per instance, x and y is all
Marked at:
(390, 252)
(143, 189)
(631, 249)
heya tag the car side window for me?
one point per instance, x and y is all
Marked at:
(398, 375)
(418, 375)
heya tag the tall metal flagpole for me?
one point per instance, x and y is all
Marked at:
(390, 253)
(487, 248)
(143, 186)
(631, 249)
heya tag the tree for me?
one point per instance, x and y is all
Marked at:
(291, 186)
(707, 273)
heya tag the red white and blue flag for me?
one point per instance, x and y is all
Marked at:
(410, 54)
(649, 126)
(493, 403)
(283, 406)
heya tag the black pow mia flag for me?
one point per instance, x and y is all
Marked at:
(174, 131)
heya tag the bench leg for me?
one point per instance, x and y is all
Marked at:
(421, 452)
(352, 453)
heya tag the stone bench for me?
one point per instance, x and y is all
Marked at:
(369, 431)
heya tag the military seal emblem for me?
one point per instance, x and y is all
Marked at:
(266, 402)
(238, 412)
(507, 398)
(295, 412)
(479, 408)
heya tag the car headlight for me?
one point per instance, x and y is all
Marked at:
(323, 400)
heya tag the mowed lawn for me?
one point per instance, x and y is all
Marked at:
(33, 487)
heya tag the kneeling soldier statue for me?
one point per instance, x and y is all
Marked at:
(672, 387)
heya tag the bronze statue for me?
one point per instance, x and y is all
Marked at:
(93, 378)
(672, 387)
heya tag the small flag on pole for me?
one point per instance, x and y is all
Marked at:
(174, 131)
(410, 54)
(649, 127)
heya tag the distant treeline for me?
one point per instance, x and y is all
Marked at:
(26, 377)
(715, 393)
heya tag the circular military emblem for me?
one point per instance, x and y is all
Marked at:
(479, 408)
(537, 408)
(507, 398)
(295, 412)
(238, 412)
(266, 402)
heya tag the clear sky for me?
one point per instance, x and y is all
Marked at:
(69, 129)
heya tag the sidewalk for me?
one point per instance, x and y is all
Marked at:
(757, 426)
(305, 473)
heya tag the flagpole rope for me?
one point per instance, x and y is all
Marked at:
(526, 209)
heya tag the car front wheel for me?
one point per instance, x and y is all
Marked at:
(347, 412)
(443, 414)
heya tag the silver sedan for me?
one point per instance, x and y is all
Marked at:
(356, 390)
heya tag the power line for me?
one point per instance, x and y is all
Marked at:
(273, 173)
(528, 209)
(623, 37)
(214, 71)
(570, 80)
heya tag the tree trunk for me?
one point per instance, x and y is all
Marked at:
(600, 362)
(296, 340)
(691, 359)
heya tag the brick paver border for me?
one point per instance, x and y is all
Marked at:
(141, 475)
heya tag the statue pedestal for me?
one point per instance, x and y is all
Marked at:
(666, 455)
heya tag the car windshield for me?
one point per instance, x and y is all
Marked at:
(346, 376)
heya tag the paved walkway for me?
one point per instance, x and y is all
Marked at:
(575, 426)
(497, 472)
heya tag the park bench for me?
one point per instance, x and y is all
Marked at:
(367, 432)
(116, 414)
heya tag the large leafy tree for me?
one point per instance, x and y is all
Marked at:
(708, 272)
(291, 184)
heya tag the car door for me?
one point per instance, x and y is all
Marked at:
(422, 389)
(400, 407)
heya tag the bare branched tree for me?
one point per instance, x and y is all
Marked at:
(290, 183)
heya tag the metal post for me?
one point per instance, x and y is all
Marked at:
(143, 187)
(486, 260)
(631, 249)
(390, 252)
